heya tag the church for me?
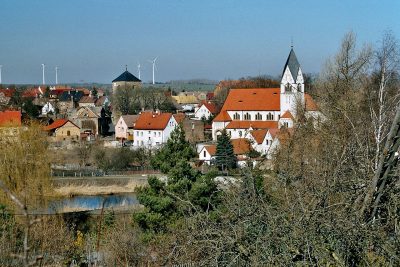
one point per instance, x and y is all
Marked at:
(257, 114)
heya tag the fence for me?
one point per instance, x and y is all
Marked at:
(101, 173)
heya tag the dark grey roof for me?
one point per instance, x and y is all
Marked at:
(126, 76)
(293, 65)
(66, 96)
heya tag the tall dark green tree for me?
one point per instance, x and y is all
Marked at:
(184, 191)
(225, 157)
(176, 149)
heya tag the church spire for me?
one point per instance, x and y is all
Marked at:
(293, 64)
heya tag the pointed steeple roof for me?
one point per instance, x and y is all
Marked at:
(293, 64)
(126, 76)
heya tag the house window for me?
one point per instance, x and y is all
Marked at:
(299, 87)
(68, 133)
(258, 116)
(266, 142)
(286, 124)
(270, 117)
(155, 134)
(247, 116)
(204, 153)
(236, 116)
(141, 133)
(137, 133)
(288, 88)
(141, 143)
(159, 134)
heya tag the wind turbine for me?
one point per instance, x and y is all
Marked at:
(154, 65)
(43, 65)
(56, 74)
(1, 66)
(138, 68)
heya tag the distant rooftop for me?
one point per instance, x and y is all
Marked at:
(126, 76)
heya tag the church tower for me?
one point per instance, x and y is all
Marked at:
(292, 84)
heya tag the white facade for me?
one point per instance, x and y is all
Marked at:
(205, 156)
(201, 112)
(48, 108)
(153, 137)
(252, 115)
(265, 146)
(292, 91)
(122, 130)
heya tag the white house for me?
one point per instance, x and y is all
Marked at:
(124, 127)
(205, 110)
(48, 108)
(153, 129)
(241, 147)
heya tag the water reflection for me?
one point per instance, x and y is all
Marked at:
(90, 203)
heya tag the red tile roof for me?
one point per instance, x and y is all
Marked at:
(10, 118)
(287, 115)
(57, 124)
(179, 117)
(252, 124)
(210, 106)
(7, 92)
(274, 132)
(152, 121)
(259, 135)
(222, 116)
(310, 104)
(240, 146)
(253, 99)
(211, 149)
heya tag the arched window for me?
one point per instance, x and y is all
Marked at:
(205, 154)
(68, 133)
(236, 116)
(258, 116)
(299, 87)
(270, 117)
(247, 116)
(288, 87)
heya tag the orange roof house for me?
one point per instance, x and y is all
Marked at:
(10, 118)
(152, 121)
(63, 129)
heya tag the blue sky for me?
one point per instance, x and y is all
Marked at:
(91, 41)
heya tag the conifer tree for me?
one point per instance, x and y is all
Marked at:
(176, 149)
(225, 156)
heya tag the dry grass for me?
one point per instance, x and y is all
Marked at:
(95, 189)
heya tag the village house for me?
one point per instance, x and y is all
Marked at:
(153, 129)
(88, 119)
(205, 110)
(62, 130)
(241, 149)
(124, 127)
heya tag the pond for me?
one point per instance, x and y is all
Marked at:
(92, 203)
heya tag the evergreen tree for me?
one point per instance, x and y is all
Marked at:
(176, 149)
(225, 156)
(185, 191)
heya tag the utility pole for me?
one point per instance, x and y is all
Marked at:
(56, 75)
(43, 80)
